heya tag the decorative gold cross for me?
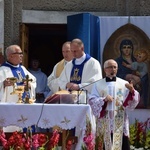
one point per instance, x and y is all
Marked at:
(27, 82)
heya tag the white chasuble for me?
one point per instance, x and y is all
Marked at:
(114, 118)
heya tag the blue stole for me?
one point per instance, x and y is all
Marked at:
(17, 72)
(76, 73)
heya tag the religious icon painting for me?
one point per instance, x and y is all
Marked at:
(131, 50)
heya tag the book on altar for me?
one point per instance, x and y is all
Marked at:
(66, 97)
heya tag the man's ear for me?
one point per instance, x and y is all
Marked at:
(82, 48)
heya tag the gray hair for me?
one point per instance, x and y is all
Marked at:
(10, 49)
(108, 61)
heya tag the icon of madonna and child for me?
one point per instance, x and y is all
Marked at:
(133, 66)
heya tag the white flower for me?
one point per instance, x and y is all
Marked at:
(132, 147)
(146, 147)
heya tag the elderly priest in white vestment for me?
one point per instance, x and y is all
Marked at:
(13, 68)
(111, 99)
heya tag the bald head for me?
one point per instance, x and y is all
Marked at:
(14, 54)
(78, 42)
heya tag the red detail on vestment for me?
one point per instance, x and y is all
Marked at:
(129, 98)
(102, 113)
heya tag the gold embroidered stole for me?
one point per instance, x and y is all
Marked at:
(116, 144)
(60, 68)
(118, 119)
(107, 134)
(118, 130)
(114, 120)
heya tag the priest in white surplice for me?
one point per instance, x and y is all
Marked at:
(58, 68)
(81, 71)
(111, 99)
(13, 68)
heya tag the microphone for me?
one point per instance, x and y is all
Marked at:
(83, 89)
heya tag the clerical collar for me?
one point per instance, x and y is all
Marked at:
(80, 60)
(65, 62)
(110, 79)
(12, 64)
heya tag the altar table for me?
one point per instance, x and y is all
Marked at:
(66, 116)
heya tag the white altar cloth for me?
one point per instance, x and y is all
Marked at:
(66, 116)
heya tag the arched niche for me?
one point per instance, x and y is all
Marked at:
(129, 31)
(138, 38)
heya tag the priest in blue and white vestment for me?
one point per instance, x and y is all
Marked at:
(13, 68)
(81, 71)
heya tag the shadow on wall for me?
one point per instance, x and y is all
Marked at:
(1, 57)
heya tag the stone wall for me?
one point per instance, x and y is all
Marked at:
(13, 11)
(73, 5)
(12, 18)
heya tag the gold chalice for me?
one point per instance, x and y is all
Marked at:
(19, 90)
(13, 80)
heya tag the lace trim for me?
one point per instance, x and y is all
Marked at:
(96, 105)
